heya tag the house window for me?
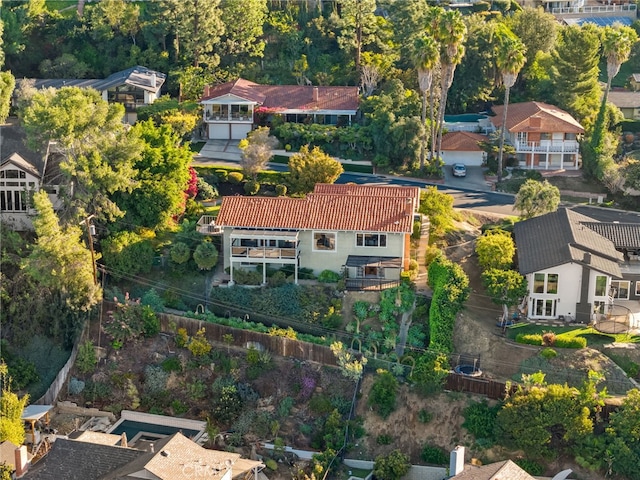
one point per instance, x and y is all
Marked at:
(599, 306)
(324, 241)
(601, 286)
(13, 201)
(12, 174)
(545, 283)
(522, 137)
(637, 288)
(570, 136)
(544, 308)
(620, 289)
(371, 240)
(545, 136)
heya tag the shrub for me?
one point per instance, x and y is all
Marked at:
(529, 466)
(155, 379)
(361, 309)
(235, 178)
(284, 409)
(182, 338)
(127, 253)
(171, 364)
(251, 187)
(222, 175)
(150, 322)
(417, 230)
(529, 339)
(425, 416)
(206, 255)
(180, 253)
(153, 300)
(179, 407)
(199, 346)
(253, 356)
(271, 464)
(206, 191)
(281, 190)
(94, 391)
(383, 393)
(434, 455)
(86, 360)
(548, 338)
(384, 439)
(480, 419)
(548, 353)
(76, 386)
(574, 342)
(329, 276)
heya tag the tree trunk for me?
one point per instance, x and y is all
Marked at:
(502, 131)
(423, 146)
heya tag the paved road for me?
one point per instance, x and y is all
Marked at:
(470, 192)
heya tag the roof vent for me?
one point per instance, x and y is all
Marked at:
(165, 453)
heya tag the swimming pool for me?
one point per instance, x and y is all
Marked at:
(465, 117)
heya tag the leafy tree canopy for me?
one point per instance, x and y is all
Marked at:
(308, 167)
(536, 198)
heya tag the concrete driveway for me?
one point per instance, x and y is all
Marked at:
(473, 181)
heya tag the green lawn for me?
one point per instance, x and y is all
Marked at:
(593, 337)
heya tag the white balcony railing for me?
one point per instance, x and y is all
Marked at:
(233, 117)
(548, 146)
(270, 253)
(595, 9)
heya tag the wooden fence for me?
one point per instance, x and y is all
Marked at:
(285, 347)
(477, 385)
(52, 392)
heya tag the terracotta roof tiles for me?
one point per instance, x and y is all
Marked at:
(536, 117)
(319, 212)
(462, 141)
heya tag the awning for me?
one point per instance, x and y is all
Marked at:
(33, 413)
(367, 261)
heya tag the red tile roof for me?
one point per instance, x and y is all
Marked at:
(462, 141)
(319, 212)
(367, 190)
(536, 117)
(288, 97)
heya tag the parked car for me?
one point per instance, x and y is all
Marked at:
(459, 170)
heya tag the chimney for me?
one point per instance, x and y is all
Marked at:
(409, 207)
(456, 461)
(152, 448)
(153, 80)
(315, 94)
(21, 460)
(587, 258)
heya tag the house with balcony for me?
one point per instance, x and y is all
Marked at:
(230, 109)
(359, 230)
(22, 173)
(544, 136)
(578, 268)
(134, 87)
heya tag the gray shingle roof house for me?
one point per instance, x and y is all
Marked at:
(73, 460)
(575, 265)
(134, 87)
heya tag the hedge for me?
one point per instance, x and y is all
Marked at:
(529, 339)
(560, 341)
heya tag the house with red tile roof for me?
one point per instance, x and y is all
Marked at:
(229, 109)
(363, 231)
(462, 147)
(544, 136)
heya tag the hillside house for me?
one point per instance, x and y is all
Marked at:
(230, 109)
(544, 136)
(363, 231)
(577, 267)
(134, 87)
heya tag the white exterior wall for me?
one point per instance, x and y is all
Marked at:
(320, 260)
(473, 159)
(569, 285)
(18, 219)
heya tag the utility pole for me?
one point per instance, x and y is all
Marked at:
(90, 232)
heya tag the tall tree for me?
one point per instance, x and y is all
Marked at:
(7, 85)
(509, 61)
(196, 28)
(617, 43)
(575, 71)
(162, 174)
(505, 288)
(426, 55)
(243, 21)
(536, 198)
(59, 261)
(309, 167)
(97, 151)
(451, 34)
(537, 29)
(408, 19)
(358, 26)
(111, 17)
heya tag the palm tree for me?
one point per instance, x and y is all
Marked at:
(451, 34)
(425, 57)
(509, 60)
(616, 46)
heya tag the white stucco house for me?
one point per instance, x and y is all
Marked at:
(576, 266)
(544, 136)
(361, 230)
(230, 109)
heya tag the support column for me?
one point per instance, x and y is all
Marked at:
(264, 272)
